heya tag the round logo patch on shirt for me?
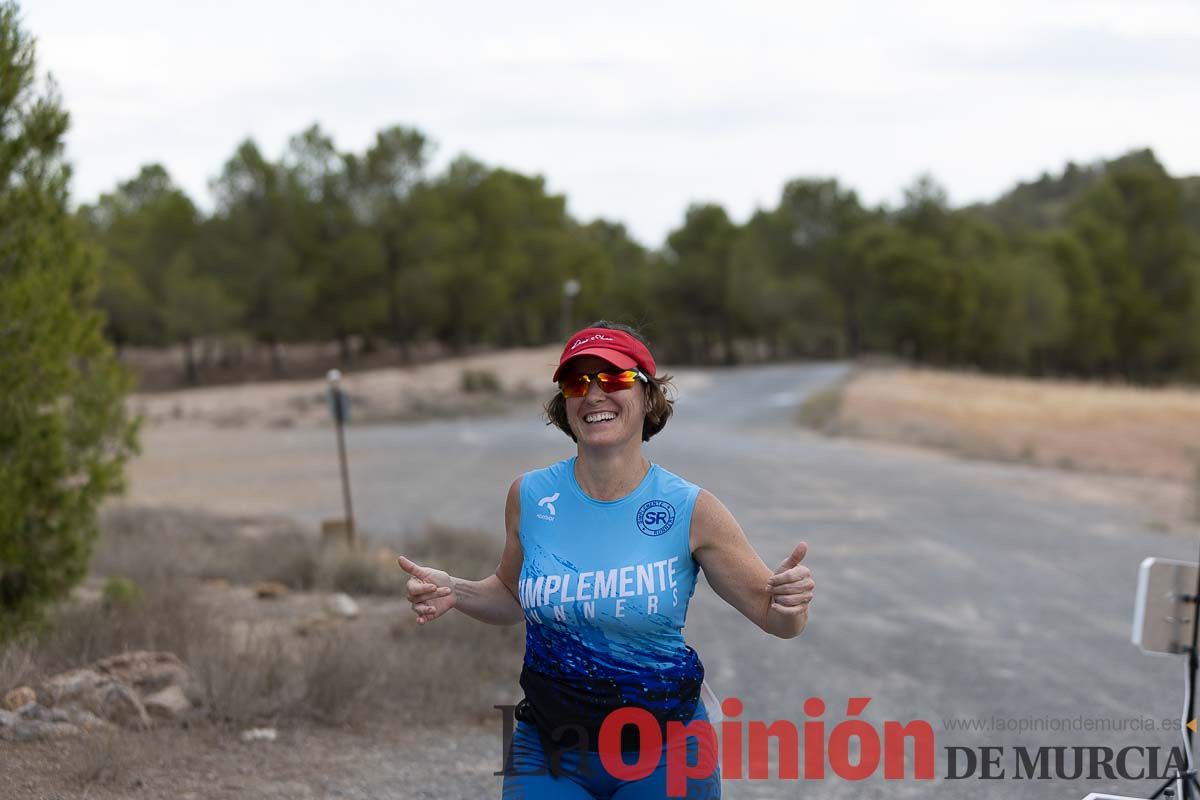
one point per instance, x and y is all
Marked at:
(655, 517)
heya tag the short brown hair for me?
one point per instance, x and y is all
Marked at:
(659, 393)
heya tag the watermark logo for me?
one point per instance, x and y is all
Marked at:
(655, 517)
(548, 504)
(852, 749)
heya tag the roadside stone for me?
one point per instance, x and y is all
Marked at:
(342, 605)
(74, 686)
(144, 670)
(42, 714)
(269, 590)
(258, 735)
(21, 696)
(121, 705)
(169, 703)
(31, 730)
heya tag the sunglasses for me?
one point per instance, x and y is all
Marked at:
(578, 385)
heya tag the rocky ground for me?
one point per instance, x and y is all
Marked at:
(138, 726)
(278, 692)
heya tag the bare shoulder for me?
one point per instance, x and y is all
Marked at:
(512, 504)
(712, 522)
(511, 559)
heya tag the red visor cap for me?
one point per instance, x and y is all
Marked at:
(616, 347)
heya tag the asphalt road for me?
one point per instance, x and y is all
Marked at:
(946, 588)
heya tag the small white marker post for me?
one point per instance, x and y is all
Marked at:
(571, 288)
(340, 410)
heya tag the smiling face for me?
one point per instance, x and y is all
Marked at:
(604, 420)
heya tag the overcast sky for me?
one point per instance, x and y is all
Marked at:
(635, 110)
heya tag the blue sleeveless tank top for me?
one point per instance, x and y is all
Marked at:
(605, 587)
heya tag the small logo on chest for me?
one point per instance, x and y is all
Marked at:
(655, 517)
(548, 504)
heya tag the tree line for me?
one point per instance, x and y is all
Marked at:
(1094, 272)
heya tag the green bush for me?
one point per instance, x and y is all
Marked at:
(821, 408)
(121, 593)
(64, 431)
(479, 380)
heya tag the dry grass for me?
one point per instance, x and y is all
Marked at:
(482, 383)
(249, 664)
(1087, 426)
(342, 673)
(821, 409)
(149, 545)
(76, 633)
(18, 664)
(244, 675)
(460, 552)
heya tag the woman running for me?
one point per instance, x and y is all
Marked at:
(600, 561)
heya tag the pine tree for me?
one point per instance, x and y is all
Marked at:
(64, 431)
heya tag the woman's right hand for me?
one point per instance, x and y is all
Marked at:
(431, 591)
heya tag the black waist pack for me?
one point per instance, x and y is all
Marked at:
(568, 715)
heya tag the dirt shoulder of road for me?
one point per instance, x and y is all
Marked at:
(377, 761)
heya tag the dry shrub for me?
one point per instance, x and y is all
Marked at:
(289, 558)
(820, 409)
(18, 663)
(465, 553)
(243, 674)
(474, 381)
(358, 571)
(454, 668)
(342, 673)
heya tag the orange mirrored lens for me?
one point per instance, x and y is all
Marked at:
(577, 385)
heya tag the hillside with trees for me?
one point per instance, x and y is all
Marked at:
(1093, 272)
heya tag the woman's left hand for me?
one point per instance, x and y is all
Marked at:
(791, 587)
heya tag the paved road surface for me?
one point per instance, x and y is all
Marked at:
(946, 588)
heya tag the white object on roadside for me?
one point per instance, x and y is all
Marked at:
(342, 605)
(258, 735)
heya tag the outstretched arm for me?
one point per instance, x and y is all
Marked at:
(775, 601)
(433, 592)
